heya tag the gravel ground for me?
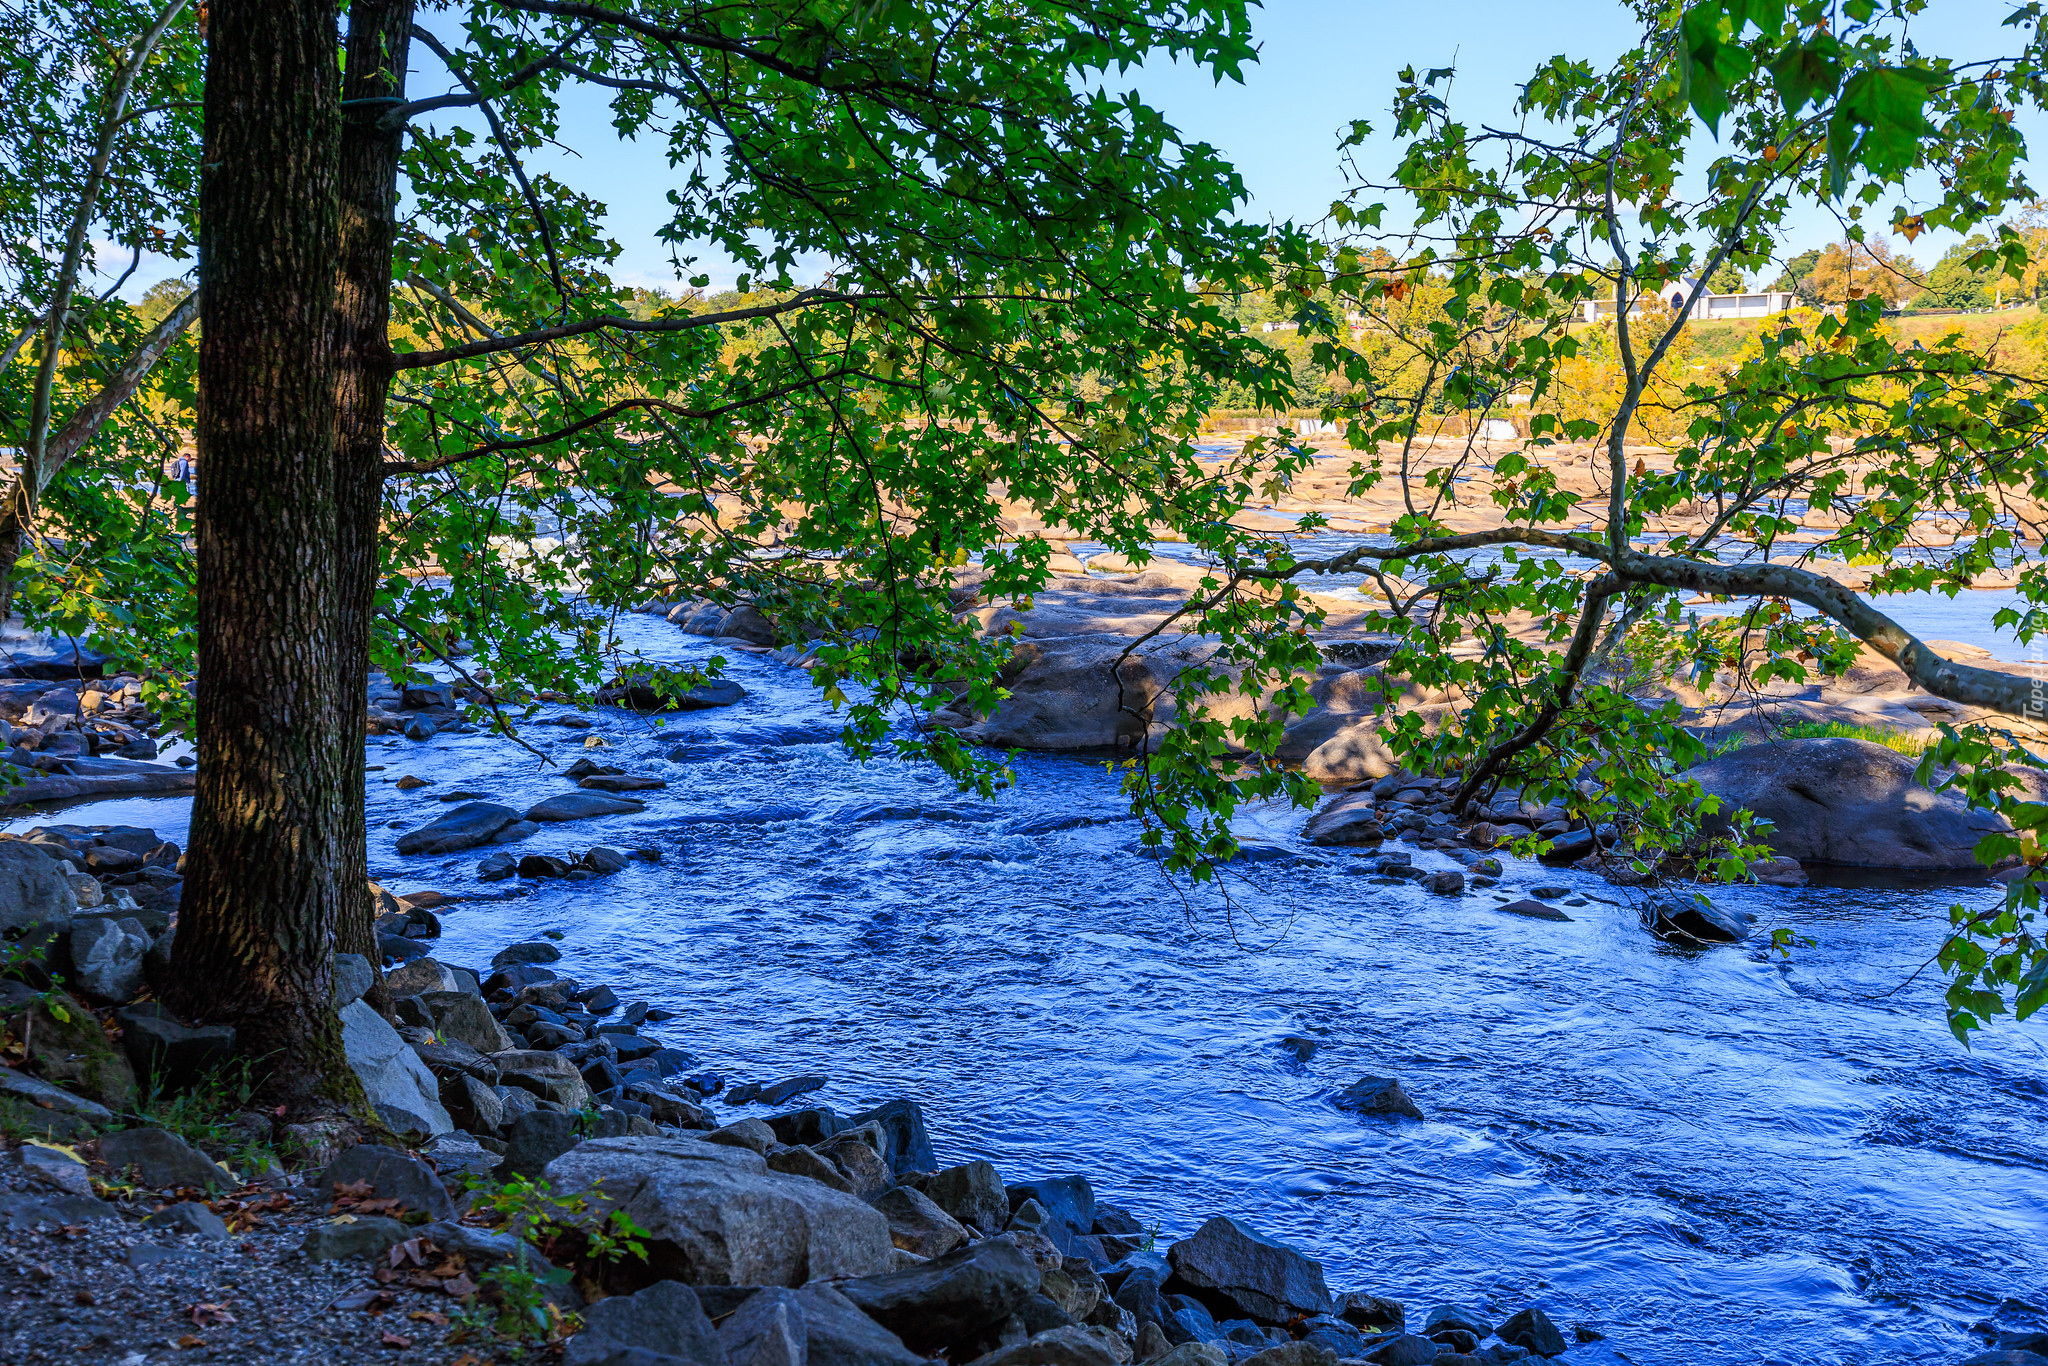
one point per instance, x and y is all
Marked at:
(110, 1289)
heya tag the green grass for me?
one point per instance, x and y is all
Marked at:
(1905, 742)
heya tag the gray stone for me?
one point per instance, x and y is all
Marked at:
(752, 1134)
(1692, 917)
(353, 975)
(1533, 1331)
(838, 1334)
(664, 1318)
(909, 1148)
(580, 805)
(533, 951)
(474, 1104)
(1349, 819)
(162, 1161)
(548, 1075)
(1071, 1345)
(972, 1193)
(916, 1224)
(189, 1216)
(167, 1054)
(465, 827)
(1302, 1353)
(358, 1236)
(1406, 1350)
(418, 976)
(106, 957)
(1844, 801)
(1261, 1278)
(390, 1175)
(55, 1211)
(948, 1299)
(766, 1330)
(1068, 1201)
(1377, 1096)
(1373, 1313)
(56, 1168)
(1445, 882)
(1191, 1354)
(20, 1086)
(716, 1215)
(1457, 1316)
(33, 891)
(1534, 910)
(457, 1155)
(393, 1077)
(465, 1019)
(536, 1138)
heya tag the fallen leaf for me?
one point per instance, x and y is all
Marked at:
(428, 1316)
(84, 1297)
(460, 1287)
(374, 1301)
(189, 1341)
(396, 1340)
(205, 1315)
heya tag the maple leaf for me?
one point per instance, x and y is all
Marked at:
(439, 1320)
(459, 1287)
(1910, 228)
(398, 1340)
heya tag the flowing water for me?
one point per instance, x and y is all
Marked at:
(1708, 1157)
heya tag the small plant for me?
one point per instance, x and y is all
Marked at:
(1152, 1232)
(514, 1300)
(1905, 742)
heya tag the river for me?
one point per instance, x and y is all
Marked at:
(1707, 1157)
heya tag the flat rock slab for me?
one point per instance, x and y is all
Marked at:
(463, 828)
(645, 694)
(1534, 910)
(157, 782)
(578, 806)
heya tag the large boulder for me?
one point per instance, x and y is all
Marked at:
(647, 692)
(1844, 801)
(66, 1044)
(1352, 818)
(394, 1079)
(32, 890)
(465, 827)
(388, 1174)
(715, 1215)
(838, 1334)
(1225, 1264)
(972, 1193)
(162, 1161)
(767, 1329)
(938, 1303)
(580, 805)
(464, 1018)
(170, 1055)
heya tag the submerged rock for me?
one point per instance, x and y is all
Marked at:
(1678, 915)
(580, 805)
(1377, 1096)
(465, 827)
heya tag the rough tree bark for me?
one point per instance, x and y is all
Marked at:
(278, 765)
(379, 39)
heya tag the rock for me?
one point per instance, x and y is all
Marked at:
(168, 1055)
(766, 1330)
(353, 976)
(622, 782)
(1692, 917)
(1408, 1349)
(55, 1167)
(361, 1236)
(751, 1134)
(22, 1087)
(394, 1079)
(1568, 846)
(74, 1051)
(1223, 1261)
(776, 1092)
(473, 1104)
(950, 1298)
(420, 975)
(1352, 818)
(1371, 1312)
(1534, 910)
(162, 1161)
(1447, 882)
(188, 1216)
(576, 806)
(2007, 1357)
(106, 957)
(1533, 1331)
(538, 1137)
(1074, 1287)
(838, 1334)
(1376, 1096)
(457, 1155)
(497, 867)
(918, 1225)
(1068, 1202)
(1459, 1317)
(664, 1318)
(390, 1175)
(533, 951)
(803, 1161)
(1293, 1354)
(1072, 1345)
(972, 1193)
(603, 861)
(645, 692)
(1191, 1354)
(465, 827)
(1778, 872)
(465, 1019)
(715, 1214)
(547, 1075)
(1844, 801)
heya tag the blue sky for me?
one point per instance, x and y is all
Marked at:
(1322, 64)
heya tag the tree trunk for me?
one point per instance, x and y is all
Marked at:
(279, 768)
(379, 39)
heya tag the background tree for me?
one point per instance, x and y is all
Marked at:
(1853, 269)
(1797, 276)
(1955, 282)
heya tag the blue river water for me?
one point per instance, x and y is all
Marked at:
(1705, 1157)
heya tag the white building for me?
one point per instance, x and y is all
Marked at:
(1761, 304)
